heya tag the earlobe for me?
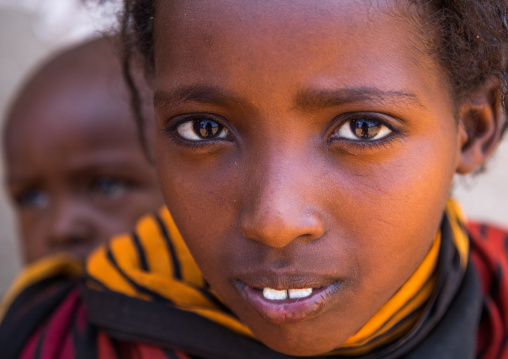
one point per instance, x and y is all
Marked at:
(481, 120)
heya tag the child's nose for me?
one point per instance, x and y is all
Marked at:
(281, 204)
(70, 225)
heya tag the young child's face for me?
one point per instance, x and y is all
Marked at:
(74, 168)
(306, 145)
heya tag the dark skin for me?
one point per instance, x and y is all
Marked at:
(317, 156)
(75, 170)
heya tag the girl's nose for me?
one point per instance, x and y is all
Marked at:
(282, 205)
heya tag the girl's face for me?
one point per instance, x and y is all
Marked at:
(305, 149)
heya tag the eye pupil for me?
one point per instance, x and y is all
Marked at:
(106, 186)
(365, 128)
(206, 128)
(33, 198)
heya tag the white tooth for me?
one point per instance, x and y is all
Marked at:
(299, 293)
(273, 294)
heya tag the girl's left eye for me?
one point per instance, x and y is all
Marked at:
(201, 130)
(362, 129)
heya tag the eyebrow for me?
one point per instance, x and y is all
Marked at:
(305, 99)
(195, 93)
(336, 97)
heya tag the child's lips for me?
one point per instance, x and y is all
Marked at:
(290, 303)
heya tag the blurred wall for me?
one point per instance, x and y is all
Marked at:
(31, 29)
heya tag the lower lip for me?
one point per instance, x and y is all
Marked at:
(289, 311)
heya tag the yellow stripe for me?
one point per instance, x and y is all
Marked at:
(124, 252)
(154, 245)
(100, 268)
(459, 236)
(190, 270)
(399, 299)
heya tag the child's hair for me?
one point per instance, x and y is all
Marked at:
(471, 42)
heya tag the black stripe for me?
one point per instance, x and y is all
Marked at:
(96, 282)
(177, 273)
(139, 288)
(495, 284)
(170, 354)
(85, 344)
(31, 308)
(38, 349)
(407, 317)
(401, 322)
(212, 298)
(132, 319)
(141, 251)
(485, 314)
(116, 347)
(206, 285)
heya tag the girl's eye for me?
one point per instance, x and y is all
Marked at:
(362, 129)
(201, 129)
(32, 198)
(108, 187)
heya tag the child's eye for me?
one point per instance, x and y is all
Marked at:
(108, 187)
(201, 129)
(362, 129)
(33, 198)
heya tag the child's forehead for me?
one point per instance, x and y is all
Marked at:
(78, 97)
(77, 88)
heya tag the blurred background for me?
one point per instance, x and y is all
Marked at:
(30, 30)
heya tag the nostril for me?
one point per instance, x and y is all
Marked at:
(279, 230)
(71, 233)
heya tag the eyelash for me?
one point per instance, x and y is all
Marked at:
(358, 145)
(172, 130)
(365, 145)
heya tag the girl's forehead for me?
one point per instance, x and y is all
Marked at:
(281, 14)
(184, 28)
(300, 44)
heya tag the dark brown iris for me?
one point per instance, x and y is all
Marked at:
(365, 128)
(206, 129)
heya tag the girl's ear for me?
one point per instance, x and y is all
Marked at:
(481, 120)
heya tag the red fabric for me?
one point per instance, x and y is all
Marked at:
(64, 333)
(489, 254)
(54, 340)
(145, 351)
(29, 350)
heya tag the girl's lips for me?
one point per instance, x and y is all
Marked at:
(288, 311)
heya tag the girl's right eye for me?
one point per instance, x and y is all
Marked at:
(201, 130)
(33, 198)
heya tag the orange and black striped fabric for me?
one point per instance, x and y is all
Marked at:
(145, 298)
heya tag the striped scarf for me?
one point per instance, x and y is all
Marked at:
(154, 264)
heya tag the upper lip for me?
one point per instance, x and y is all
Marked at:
(287, 281)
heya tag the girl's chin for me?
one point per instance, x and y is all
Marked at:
(299, 343)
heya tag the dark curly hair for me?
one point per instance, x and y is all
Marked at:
(470, 39)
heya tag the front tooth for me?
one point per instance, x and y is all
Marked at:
(299, 293)
(273, 294)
